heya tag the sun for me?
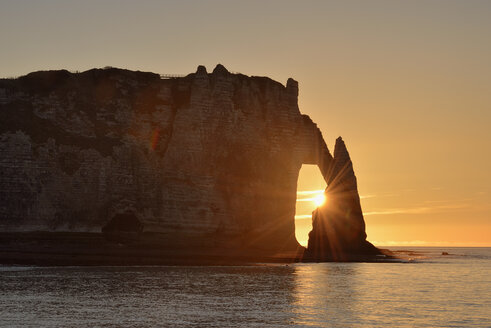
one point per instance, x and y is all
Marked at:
(319, 199)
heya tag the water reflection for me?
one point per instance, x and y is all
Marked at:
(451, 291)
(324, 291)
(266, 296)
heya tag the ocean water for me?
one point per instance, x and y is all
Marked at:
(427, 290)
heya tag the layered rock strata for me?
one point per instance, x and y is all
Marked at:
(203, 160)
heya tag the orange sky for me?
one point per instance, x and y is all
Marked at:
(406, 83)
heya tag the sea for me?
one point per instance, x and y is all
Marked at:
(429, 287)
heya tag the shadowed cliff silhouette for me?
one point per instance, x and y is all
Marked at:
(205, 162)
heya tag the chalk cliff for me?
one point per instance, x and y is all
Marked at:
(205, 159)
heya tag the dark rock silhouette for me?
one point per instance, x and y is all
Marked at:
(338, 227)
(203, 161)
(123, 227)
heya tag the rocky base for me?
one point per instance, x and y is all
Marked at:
(92, 249)
(365, 252)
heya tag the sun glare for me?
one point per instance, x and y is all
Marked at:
(319, 199)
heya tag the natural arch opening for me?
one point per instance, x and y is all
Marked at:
(310, 192)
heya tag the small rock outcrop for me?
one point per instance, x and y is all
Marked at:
(338, 227)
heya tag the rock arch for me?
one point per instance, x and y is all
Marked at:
(204, 158)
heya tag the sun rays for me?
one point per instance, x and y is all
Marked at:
(307, 201)
(317, 197)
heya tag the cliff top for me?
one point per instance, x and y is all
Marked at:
(45, 79)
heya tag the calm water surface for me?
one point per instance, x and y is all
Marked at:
(431, 290)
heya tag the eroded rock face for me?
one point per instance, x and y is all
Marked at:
(338, 227)
(212, 156)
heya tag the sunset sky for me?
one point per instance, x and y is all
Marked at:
(407, 84)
